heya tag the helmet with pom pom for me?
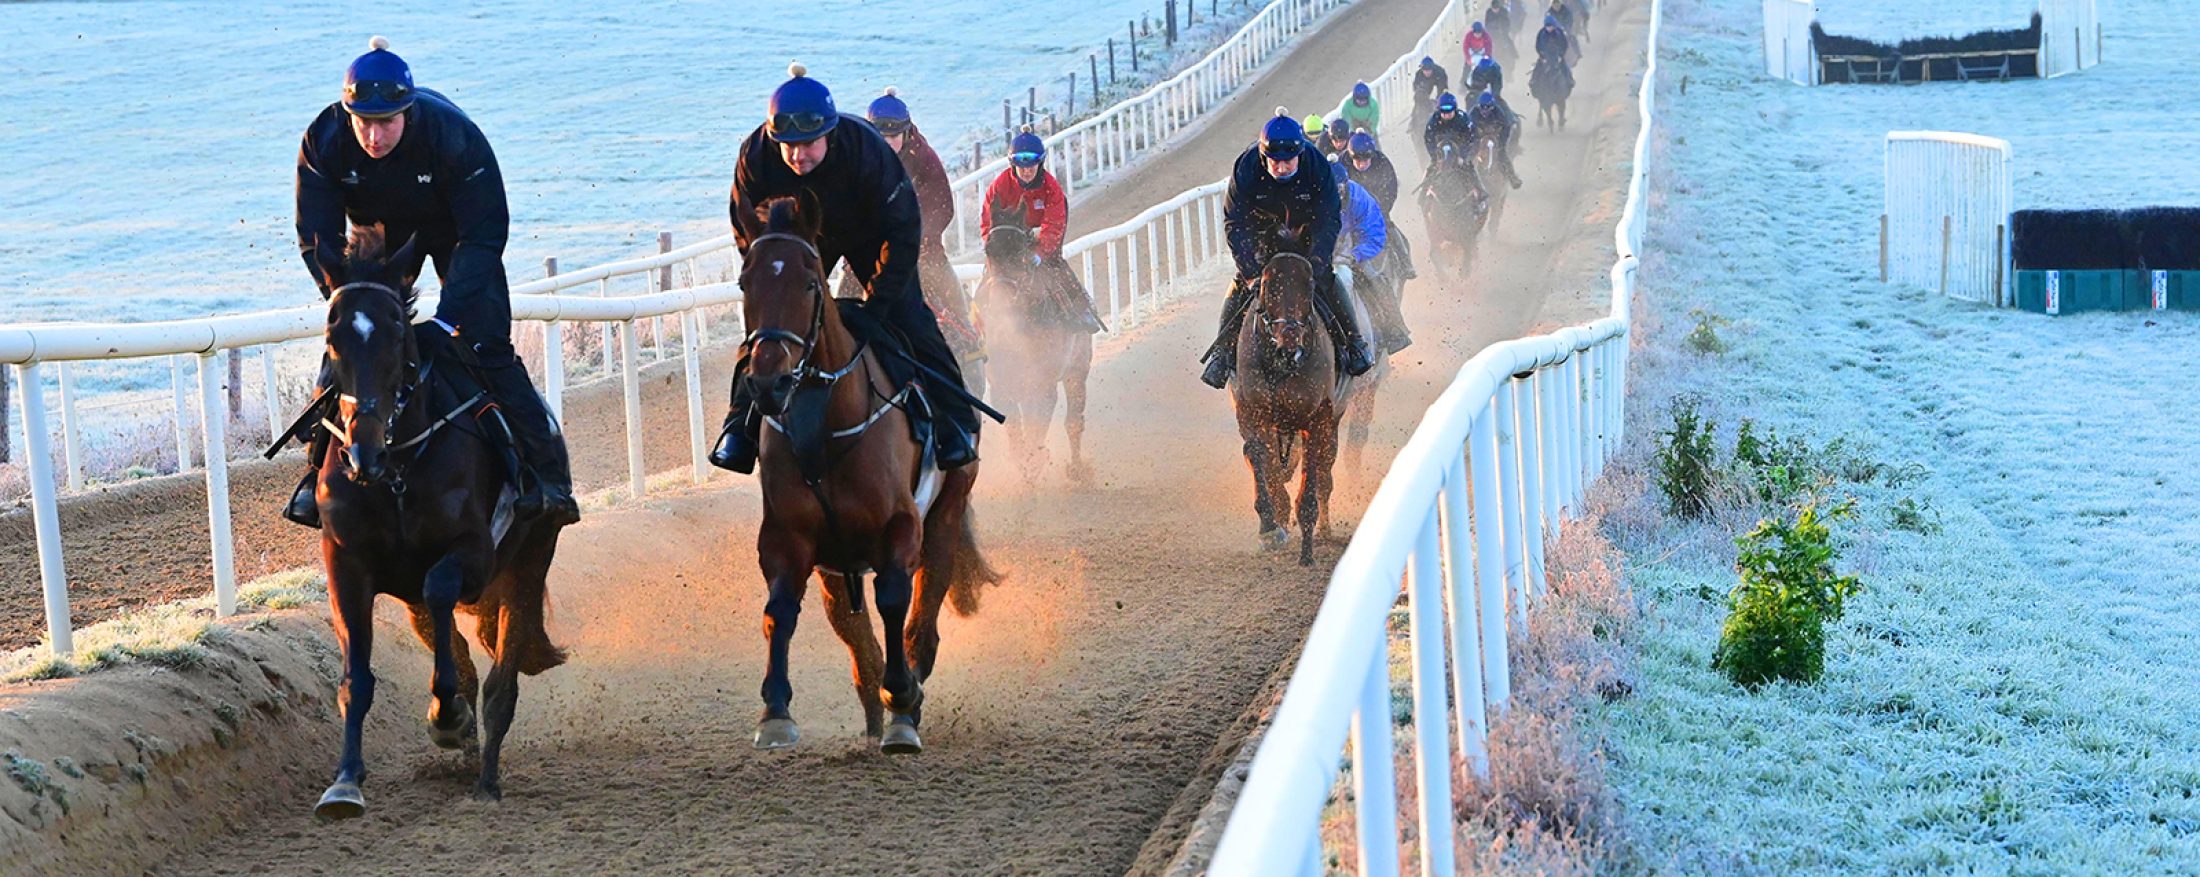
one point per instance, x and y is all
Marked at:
(1282, 137)
(378, 84)
(1026, 149)
(888, 113)
(801, 109)
(1362, 144)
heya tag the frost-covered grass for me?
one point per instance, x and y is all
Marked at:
(2015, 690)
(171, 634)
(1889, 21)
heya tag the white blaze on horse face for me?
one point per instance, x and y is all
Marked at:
(778, 267)
(363, 326)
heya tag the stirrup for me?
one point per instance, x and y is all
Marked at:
(304, 508)
(1218, 373)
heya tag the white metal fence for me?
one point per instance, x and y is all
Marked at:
(1394, 87)
(1948, 201)
(1083, 153)
(1790, 53)
(1502, 456)
(2070, 36)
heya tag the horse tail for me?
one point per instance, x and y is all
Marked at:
(968, 572)
(513, 612)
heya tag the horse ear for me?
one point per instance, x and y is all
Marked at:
(810, 215)
(332, 271)
(405, 263)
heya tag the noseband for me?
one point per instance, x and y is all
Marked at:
(807, 343)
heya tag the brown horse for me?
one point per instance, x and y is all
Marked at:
(1287, 392)
(1037, 349)
(847, 490)
(416, 503)
(1454, 214)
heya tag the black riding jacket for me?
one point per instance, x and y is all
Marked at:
(1493, 79)
(1551, 42)
(1457, 131)
(1429, 83)
(868, 205)
(1258, 208)
(1380, 179)
(440, 187)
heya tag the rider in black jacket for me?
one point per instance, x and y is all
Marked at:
(871, 218)
(408, 159)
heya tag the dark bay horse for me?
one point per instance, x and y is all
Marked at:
(1485, 168)
(1038, 351)
(1551, 83)
(416, 503)
(1287, 393)
(847, 491)
(1454, 214)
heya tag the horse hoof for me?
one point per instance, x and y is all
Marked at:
(901, 738)
(1081, 474)
(1275, 538)
(459, 733)
(490, 793)
(342, 801)
(777, 734)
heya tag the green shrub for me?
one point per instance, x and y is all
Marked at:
(1915, 516)
(1705, 338)
(1788, 591)
(1687, 461)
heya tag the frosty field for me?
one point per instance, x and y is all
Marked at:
(2015, 690)
(611, 124)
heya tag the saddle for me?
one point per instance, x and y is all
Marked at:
(871, 331)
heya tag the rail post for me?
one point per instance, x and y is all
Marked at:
(53, 577)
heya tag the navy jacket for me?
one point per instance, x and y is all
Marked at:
(1458, 131)
(1430, 83)
(1551, 42)
(1380, 179)
(1258, 207)
(871, 217)
(440, 186)
(1493, 79)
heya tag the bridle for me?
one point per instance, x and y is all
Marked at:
(804, 372)
(415, 377)
(1294, 327)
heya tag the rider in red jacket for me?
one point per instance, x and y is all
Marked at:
(1477, 44)
(1027, 195)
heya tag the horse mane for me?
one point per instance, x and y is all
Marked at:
(366, 257)
(781, 215)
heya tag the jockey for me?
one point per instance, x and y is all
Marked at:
(408, 159)
(1339, 138)
(808, 150)
(1362, 112)
(936, 200)
(1563, 14)
(1428, 82)
(1551, 41)
(1499, 18)
(1282, 197)
(1366, 165)
(1030, 196)
(1477, 44)
(1447, 126)
(1487, 76)
(1492, 121)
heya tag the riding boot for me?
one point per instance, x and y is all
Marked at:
(1357, 359)
(737, 438)
(539, 443)
(305, 507)
(1221, 357)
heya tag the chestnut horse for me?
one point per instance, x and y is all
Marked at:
(1038, 351)
(1287, 392)
(847, 490)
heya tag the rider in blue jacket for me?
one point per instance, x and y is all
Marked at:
(1283, 197)
(1367, 238)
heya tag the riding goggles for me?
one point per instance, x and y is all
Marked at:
(891, 127)
(798, 124)
(376, 89)
(1027, 159)
(1281, 149)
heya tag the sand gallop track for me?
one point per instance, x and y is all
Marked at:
(1068, 719)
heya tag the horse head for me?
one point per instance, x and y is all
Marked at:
(783, 300)
(372, 355)
(1285, 302)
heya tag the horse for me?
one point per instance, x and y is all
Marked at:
(1551, 83)
(416, 503)
(1287, 392)
(848, 490)
(1039, 349)
(1455, 216)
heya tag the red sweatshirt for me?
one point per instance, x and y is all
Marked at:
(1476, 44)
(935, 195)
(1041, 206)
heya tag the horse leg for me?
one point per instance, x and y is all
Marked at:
(1257, 456)
(1321, 475)
(903, 694)
(854, 627)
(787, 561)
(451, 722)
(1073, 420)
(351, 599)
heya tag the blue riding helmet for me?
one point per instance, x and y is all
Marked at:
(888, 114)
(1478, 27)
(1448, 102)
(1428, 61)
(378, 84)
(1027, 150)
(1550, 21)
(1487, 63)
(1338, 128)
(1360, 93)
(1282, 137)
(1362, 143)
(1486, 100)
(801, 109)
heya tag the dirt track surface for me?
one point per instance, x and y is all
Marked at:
(1074, 722)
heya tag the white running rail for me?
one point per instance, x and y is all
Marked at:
(1498, 461)
(1081, 154)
